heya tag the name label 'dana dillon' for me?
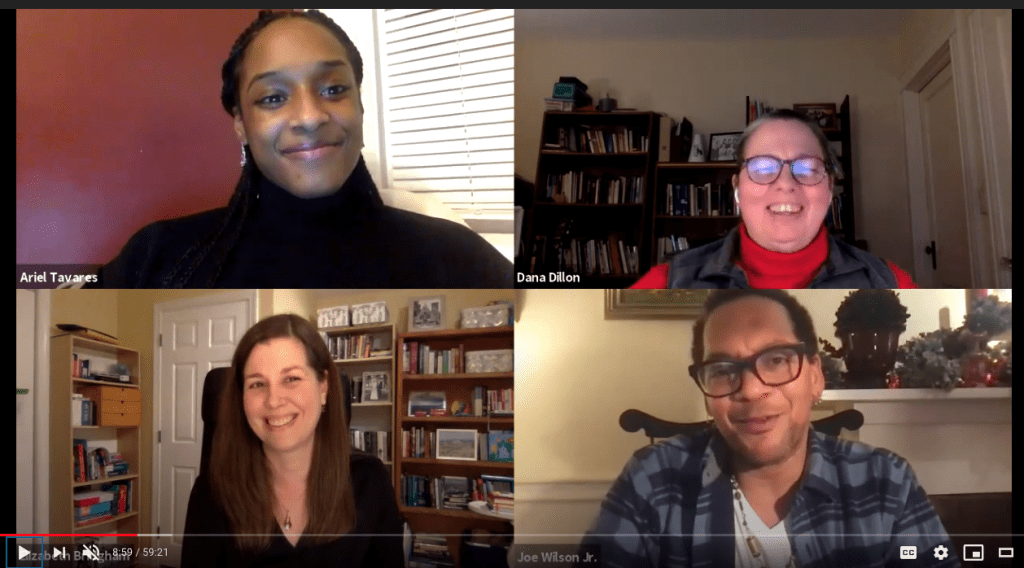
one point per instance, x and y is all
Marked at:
(550, 277)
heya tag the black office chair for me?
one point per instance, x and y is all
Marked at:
(212, 389)
(633, 420)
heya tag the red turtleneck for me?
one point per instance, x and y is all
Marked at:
(769, 269)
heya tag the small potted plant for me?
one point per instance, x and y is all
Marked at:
(869, 324)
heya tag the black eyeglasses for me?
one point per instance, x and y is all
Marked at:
(807, 170)
(773, 366)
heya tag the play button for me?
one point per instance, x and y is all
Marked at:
(24, 552)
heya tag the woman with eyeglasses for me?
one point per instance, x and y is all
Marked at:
(784, 190)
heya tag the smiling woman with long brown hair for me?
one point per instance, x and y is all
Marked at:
(284, 488)
(305, 212)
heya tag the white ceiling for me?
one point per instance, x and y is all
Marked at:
(707, 24)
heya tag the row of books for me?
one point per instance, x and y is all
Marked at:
(688, 199)
(599, 139)
(455, 492)
(495, 445)
(377, 443)
(359, 346)
(669, 245)
(79, 367)
(600, 257)
(500, 402)
(578, 187)
(93, 507)
(422, 359)
(82, 410)
(756, 109)
(430, 551)
(834, 217)
(97, 463)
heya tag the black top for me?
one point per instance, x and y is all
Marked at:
(349, 239)
(376, 515)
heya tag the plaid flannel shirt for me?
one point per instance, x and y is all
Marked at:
(672, 506)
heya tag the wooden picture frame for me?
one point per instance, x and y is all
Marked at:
(824, 114)
(376, 387)
(426, 313)
(457, 444)
(722, 146)
(644, 304)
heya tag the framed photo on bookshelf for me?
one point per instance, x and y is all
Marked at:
(427, 403)
(822, 113)
(375, 387)
(457, 444)
(426, 313)
(722, 147)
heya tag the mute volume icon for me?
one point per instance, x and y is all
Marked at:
(91, 552)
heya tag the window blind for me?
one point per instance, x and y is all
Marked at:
(447, 93)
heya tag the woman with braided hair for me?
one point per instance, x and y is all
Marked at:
(305, 212)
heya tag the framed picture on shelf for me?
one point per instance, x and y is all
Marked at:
(457, 444)
(722, 147)
(822, 113)
(426, 313)
(375, 387)
(427, 403)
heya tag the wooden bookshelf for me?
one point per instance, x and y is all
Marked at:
(367, 415)
(569, 213)
(702, 227)
(456, 386)
(123, 440)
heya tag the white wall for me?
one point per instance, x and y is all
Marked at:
(577, 372)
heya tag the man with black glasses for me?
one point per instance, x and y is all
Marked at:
(760, 488)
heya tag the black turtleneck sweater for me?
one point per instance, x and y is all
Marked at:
(349, 239)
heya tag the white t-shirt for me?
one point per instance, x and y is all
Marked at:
(774, 540)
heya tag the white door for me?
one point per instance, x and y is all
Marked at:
(24, 445)
(195, 335)
(944, 182)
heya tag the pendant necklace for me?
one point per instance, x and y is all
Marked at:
(753, 544)
(287, 521)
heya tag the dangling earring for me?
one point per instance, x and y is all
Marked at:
(243, 155)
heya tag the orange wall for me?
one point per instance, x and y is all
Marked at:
(119, 124)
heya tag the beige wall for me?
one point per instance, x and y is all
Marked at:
(922, 33)
(96, 309)
(707, 81)
(577, 372)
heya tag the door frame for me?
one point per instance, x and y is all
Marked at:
(39, 392)
(957, 48)
(252, 296)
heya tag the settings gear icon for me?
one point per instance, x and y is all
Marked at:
(941, 552)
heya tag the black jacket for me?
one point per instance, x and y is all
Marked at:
(346, 240)
(713, 266)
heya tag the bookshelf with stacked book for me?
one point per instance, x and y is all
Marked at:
(693, 205)
(365, 354)
(590, 204)
(95, 440)
(455, 448)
